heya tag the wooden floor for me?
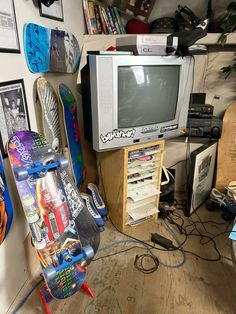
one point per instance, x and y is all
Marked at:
(197, 287)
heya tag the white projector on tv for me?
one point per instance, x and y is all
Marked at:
(152, 45)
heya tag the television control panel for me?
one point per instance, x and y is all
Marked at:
(149, 129)
(169, 128)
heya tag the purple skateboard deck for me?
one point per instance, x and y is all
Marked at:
(48, 199)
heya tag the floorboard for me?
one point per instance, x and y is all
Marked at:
(196, 287)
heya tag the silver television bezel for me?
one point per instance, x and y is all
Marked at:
(104, 80)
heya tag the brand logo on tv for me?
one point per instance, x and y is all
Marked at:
(117, 134)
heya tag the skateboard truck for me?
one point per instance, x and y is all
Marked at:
(68, 260)
(38, 169)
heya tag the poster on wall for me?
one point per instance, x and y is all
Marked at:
(201, 175)
(13, 110)
(9, 41)
(54, 11)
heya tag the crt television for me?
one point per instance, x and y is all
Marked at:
(134, 99)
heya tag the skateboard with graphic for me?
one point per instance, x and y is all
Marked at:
(52, 128)
(64, 234)
(50, 118)
(50, 121)
(71, 126)
(50, 50)
(6, 211)
(226, 155)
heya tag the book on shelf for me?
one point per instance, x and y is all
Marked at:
(107, 21)
(111, 22)
(121, 26)
(103, 22)
(87, 17)
(93, 20)
(102, 19)
(115, 20)
(99, 22)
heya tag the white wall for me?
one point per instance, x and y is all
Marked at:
(14, 255)
(163, 8)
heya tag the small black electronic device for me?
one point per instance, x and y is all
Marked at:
(200, 111)
(209, 128)
(162, 241)
(197, 98)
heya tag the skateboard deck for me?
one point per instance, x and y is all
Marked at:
(50, 50)
(226, 156)
(50, 113)
(6, 211)
(71, 126)
(63, 233)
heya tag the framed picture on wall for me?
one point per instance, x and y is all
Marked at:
(9, 41)
(13, 111)
(54, 11)
(202, 162)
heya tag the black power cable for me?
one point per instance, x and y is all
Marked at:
(140, 260)
(141, 241)
(119, 252)
(183, 229)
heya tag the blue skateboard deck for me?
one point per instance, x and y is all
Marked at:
(6, 211)
(50, 50)
(72, 131)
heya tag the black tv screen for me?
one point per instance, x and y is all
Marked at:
(147, 94)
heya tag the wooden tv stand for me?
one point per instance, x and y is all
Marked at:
(126, 177)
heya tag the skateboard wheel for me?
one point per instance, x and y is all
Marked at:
(21, 173)
(33, 218)
(63, 162)
(40, 245)
(49, 273)
(55, 144)
(29, 208)
(89, 252)
(101, 229)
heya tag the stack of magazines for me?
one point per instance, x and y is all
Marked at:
(102, 19)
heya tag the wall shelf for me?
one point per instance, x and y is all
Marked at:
(210, 39)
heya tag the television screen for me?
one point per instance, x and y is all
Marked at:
(147, 94)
